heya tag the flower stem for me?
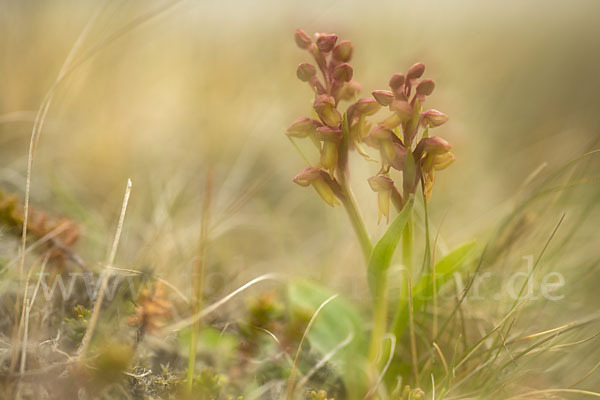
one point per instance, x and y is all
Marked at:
(356, 220)
(347, 197)
(380, 311)
(407, 245)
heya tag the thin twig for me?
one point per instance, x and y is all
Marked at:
(392, 339)
(290, 388)
(208, 310)
(325, 359)
(198, 277)
(85, 342)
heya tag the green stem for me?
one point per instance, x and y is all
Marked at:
(407, 262)
(407, 245)
(356, 220)
(378, 269)
(198, 279)
(191, 361)
(347, 197)
(380, 311)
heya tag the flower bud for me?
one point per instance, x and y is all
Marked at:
(324, 106)
(383, 97)
(433, 118)
(302, 39)
(303, 127)
(343, 51)
(343, 72)
(425, 87)
(312, 176)
(416, 71)
(397, 82)
(326, 42)
(305, 71)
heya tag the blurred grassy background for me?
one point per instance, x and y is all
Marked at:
(209, 85)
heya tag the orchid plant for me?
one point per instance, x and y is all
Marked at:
(401, 138)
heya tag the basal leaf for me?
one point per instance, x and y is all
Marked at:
(338, 322)
(384, 249)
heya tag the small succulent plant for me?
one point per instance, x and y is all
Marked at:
(61, 234)
(320, 395)
(77, 324)
(152, 308)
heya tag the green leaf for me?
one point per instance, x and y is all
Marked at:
(444, 269)
(384, 249)
(338, 322)
(379, 263)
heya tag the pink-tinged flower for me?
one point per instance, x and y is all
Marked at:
(326, 42)
(433, 155)
(343, 72)
(432, 145)
(302, 39)
(383, 186)
(397, 83)
(391, 122)
(324, 106)
(363, 107)
(305, 71)
(312, 176)
(442, 161)
(305, 127)
(318, 56)
(431, 163)
(308, 73)
(424, 88)
(396, 137)
(428, 181)
(433, 118)
(402, 108)
(342, 51)
(329, 152)
(383, 97)
(415, 71)
(392, 153)
(348, 91)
